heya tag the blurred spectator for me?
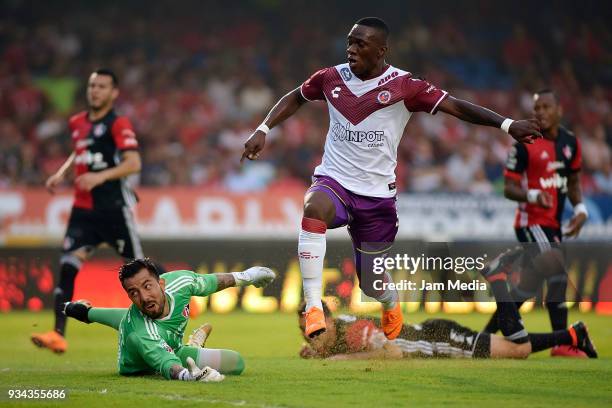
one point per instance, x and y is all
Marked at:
(603, 179)
(196, 84)
(595, 151)
(520, 49)
(255, 97)
(462, 167)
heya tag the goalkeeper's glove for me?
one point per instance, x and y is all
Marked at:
(78, 310)
(196, 373)
(258, 276)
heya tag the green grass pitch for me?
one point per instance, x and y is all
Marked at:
(276, 377)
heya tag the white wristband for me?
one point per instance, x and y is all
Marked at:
(263, 128)
(505, 126)
(580, 208)
(532, 196)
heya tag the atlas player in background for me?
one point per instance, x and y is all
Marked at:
(539, 177)
(370, 103)
(105, 152)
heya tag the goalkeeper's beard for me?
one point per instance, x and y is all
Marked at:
(154, 313)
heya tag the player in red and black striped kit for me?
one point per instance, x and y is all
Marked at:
(105, 153)
(540, 176)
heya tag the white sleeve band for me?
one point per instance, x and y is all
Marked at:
(505, 126)
(532, 196)
(263, 128)
(580, 208)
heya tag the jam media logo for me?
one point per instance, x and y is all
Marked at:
(383, 97)
(343, 133)
(346, 74)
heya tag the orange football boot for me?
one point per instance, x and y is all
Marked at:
(567, 351)
(392, 321)
(315, 322)
(51, 340)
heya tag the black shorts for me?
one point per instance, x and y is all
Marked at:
(546, 238)
(443, 338)
(89, 228)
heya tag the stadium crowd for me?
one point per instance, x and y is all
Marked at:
(195, 85)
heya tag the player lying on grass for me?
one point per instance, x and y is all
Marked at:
(359, 338)
(351, 337)
(151, 330)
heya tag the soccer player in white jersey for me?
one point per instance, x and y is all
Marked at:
(370, 103)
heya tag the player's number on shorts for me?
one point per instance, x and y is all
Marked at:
(120, 245)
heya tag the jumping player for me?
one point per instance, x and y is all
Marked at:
(105, 153)
(539, 176)
(370, 103)
(151, 330)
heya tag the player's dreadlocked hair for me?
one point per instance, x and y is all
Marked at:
(376, 23)
(134, 266)
(302, 308)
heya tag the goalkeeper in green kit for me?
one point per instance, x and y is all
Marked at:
(151, 330)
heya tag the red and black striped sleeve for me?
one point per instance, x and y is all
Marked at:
(124, 135)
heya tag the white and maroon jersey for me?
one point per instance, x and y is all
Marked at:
(366, 123)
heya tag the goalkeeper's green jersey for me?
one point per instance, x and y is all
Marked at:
(150, 345)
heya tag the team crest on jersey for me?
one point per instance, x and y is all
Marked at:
(567, 152)
(384, 97)
(186, 311)
(99, 130)
(75, 134)
(167, 347)
(346, 74)
(544, 155)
